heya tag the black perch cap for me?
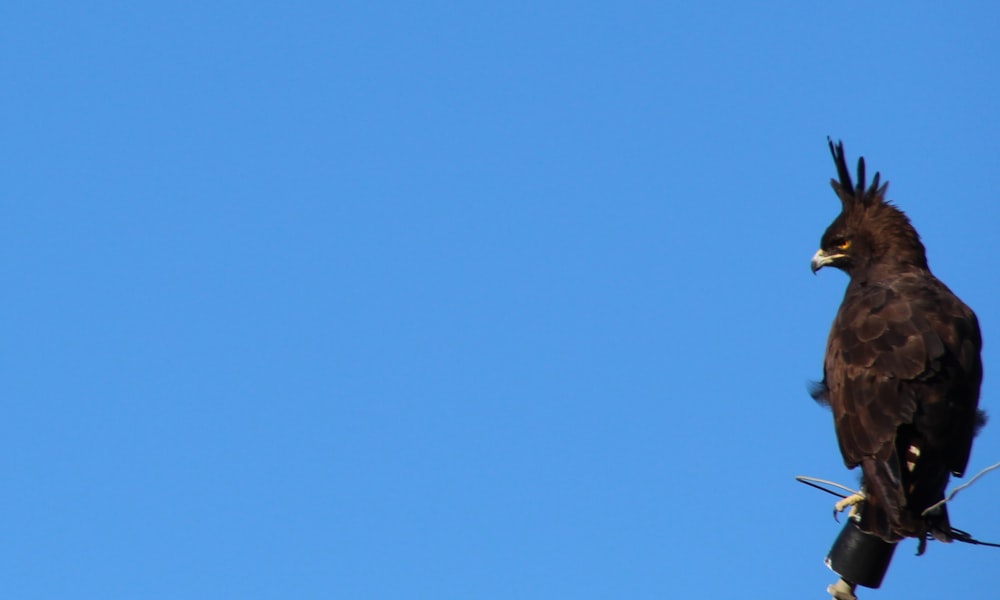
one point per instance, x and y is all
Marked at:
(859, 557)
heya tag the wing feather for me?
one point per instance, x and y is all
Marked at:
(903, 360)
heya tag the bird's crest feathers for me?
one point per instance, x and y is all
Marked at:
(847, 192)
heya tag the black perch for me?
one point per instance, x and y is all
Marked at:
(859, 558)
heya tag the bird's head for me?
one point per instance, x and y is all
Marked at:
(844, 245)
(869, 232)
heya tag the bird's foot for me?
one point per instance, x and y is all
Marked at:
(853, 500)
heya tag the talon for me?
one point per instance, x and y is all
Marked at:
(852, 501)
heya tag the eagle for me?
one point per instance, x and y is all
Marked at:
(902, 368)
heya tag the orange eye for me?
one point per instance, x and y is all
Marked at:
(844, 245)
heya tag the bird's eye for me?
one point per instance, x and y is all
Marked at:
(844, 245)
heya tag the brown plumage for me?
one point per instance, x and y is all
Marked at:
(902, 368)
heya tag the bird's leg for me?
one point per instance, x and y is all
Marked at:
(853, 500)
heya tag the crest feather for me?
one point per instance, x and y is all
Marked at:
(845, 189)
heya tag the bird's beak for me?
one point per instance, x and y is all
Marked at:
(822, 259)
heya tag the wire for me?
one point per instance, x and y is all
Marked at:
(814, 482)
(965, 537)
(959, 489)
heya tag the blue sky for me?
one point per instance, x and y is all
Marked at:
(437, 300)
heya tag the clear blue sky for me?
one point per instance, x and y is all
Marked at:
(433, 300)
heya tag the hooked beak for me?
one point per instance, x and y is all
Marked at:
(822, 259)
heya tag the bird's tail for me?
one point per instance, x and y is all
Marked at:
(894, 505)
(883, 500)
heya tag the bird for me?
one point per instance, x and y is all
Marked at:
(902, 368)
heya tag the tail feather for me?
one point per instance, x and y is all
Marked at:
(892, 513)
(883, 500)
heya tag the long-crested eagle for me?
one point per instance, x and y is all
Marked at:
(902, 367)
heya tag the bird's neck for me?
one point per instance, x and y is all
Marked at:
(885, 271)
